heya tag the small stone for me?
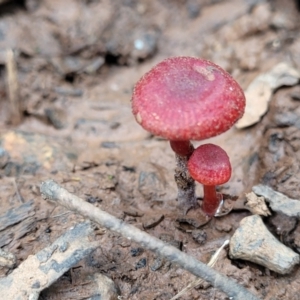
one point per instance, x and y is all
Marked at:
(200, 236)
(7, 259)
(136, 251)
(93, 199)
(106, 287)
(278, 201)
(223, 226)
(253, 242)
(157, 264)
(57, 117)
(141, 263)
(145, 44)
(257, 205)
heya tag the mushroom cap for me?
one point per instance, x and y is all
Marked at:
(209, 164)
(187, 98)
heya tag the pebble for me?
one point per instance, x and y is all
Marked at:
(145, 44)
(136, 251)
(106, 288)
(200, 236)
(253, 242)
(57, 117)
(223, 227)
(7, 259)
(157, 264)
(278, 201)
(141, 263)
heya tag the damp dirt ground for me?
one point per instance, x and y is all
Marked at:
(77, 62)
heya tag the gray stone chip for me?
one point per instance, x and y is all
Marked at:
(278, 201)
(253, 242)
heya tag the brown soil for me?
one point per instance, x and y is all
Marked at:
(77, 62)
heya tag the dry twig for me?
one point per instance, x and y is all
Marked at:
(20, 198)
(197, 282)
(52, 191)
(13, 89)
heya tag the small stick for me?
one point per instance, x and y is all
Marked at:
(13, 89)
(197, 282)
(20, 198)
(52, 191)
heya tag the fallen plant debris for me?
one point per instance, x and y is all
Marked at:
(41, 270)
(17, 214)
(257, 205)
(260, 90)
(16, 107)
(197, 282)
(52, 191)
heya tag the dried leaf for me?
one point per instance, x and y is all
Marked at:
(260, 90)
(257, 205)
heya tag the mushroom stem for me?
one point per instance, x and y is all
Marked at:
(211, 200)
(185, 183)
(182, 148)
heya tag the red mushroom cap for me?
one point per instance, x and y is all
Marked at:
(186, 98)
(210, 165)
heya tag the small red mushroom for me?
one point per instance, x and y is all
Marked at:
(209, 164)
(183, 99)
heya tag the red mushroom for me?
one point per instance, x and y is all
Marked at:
(183, 99)
(209, 164)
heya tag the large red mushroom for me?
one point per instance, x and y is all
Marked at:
(183, 99)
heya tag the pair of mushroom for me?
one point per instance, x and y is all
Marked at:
(183, 99)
